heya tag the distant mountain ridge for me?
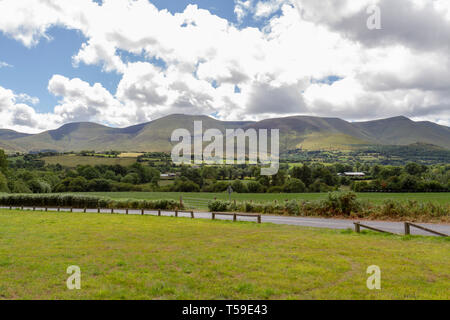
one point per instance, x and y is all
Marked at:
(297, 132)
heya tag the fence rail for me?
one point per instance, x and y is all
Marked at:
(358, 226)
(127, 211)
(235, 215)
(408, 226)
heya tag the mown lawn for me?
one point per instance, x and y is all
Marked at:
(135, 257)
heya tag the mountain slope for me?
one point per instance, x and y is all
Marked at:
(310, 133)
(403, 131)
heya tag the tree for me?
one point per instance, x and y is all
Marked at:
(303, 173)
(238, 186)
(89, 172)
(294, 186)
(414, 169)
(3, 183)
(3, 161)
(255, 187)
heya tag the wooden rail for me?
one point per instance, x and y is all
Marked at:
(142, 211)
(235, 215)
(408, 226)
(358, 226)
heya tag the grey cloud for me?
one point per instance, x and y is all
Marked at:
(402, 23)
(282, 100)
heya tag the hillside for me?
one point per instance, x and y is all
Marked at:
(299, 132)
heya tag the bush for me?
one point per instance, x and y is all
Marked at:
(219, 206)
(339, 204)
(275, 189)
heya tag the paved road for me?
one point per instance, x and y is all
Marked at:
(394, 227)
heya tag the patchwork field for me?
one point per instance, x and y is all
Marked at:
(135, 257)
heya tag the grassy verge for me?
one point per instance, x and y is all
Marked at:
(134, 257)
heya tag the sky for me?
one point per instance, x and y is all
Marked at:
(123, 62)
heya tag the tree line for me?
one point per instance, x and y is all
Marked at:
(29, 174)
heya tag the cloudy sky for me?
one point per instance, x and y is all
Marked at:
(122, 62)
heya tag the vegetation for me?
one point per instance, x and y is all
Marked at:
(79, 201)
(134, 257)
(30, 173)
(342, 205)
(198, 198)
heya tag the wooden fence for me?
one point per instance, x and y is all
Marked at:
(176, 213)
(408, 225)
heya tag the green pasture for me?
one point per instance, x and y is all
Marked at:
(146, 257)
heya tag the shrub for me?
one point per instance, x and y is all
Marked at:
(219, 206)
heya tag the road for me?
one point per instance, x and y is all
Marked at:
(338, 224)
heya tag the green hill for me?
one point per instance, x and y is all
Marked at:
(299, 132)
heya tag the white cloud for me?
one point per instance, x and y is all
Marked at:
(214, 67)
(20, 116)
(5, 65)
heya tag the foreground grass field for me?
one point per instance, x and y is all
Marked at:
(135, 257)
(200, 200)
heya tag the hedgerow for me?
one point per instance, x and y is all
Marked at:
(79, 201)
(341, 205)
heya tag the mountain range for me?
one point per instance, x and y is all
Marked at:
(297, 132)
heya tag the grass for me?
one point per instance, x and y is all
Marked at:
(72, 161)
(135, 257)
(200, 200)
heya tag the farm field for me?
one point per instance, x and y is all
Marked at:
(72, 161)
(200, 200)
(135, 257)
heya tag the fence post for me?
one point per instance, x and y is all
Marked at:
(192, 214)
(142, 212)
(71, 209)
(46, 209)
(159, 213)
(407, 228)
(84, 210)
(34, 208)
(98, 210)
(259, 219)
(234, 217)
(59, 209)
(357, 227)
(213, 216)
(126, 211)
(176, 213)
(112, 210)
